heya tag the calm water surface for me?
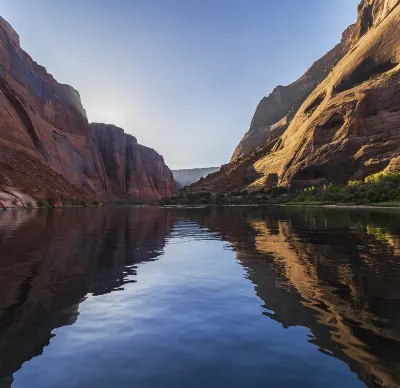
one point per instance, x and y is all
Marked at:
(215, 297)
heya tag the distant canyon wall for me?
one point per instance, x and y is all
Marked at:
(186, 177)
(47, 148)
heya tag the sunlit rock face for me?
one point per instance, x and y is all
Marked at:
(339, 121)
(46, 146)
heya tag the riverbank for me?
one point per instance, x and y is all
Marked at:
(379, 190)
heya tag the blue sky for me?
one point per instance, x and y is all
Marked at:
(183, 76)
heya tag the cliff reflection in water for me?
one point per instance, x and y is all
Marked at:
(334, 271)
(50, 260)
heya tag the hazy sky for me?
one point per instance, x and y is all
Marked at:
(183, 76)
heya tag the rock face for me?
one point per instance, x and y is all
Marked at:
(275, 112)
(341, 120)
(132, 170)
(43, 123)
(186, 177)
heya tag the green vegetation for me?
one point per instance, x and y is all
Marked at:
(382, 188)
(377, 188)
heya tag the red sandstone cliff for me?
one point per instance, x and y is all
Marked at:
(133, 170)
(340, 121)
(46, 147)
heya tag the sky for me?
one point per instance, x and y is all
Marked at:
(183, 76)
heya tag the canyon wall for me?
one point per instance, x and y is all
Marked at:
(47, 149)
(340, 121)
(132, 170)
(275, 112)
(186, 177)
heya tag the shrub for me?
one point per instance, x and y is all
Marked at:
(384, 177)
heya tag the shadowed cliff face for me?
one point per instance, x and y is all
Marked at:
(43, 126)
(44, 119)
(334, 272)
(65, 257)
(132, 169)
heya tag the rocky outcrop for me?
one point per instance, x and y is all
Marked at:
(186, 177)
(132, 170)
(343, 117)
(43, 123)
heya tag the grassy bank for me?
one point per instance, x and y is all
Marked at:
(381, 189)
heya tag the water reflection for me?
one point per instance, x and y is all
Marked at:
(335, 272)
(50, 261)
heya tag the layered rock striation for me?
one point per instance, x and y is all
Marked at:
(46, 146)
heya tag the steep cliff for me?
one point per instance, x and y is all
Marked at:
(275, 112)
(342, 118)
(44, 119)
(46, 147)
(132, 170)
